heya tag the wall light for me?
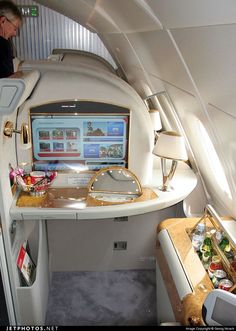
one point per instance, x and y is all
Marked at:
(170, 145)
(24, 133)
(156, 122)
(151, 102)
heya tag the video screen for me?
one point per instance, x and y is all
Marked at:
(79, 141)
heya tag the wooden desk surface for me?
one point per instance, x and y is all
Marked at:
(66, 197)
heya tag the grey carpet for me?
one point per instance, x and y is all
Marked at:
(103, 298)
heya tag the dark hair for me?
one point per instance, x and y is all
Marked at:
(9, 8)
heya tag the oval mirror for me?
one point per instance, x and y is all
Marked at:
(118, 180)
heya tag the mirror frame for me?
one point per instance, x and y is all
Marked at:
(103, 170)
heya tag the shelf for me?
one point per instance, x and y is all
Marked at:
(33, 299)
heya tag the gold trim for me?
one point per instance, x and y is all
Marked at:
(171, 133)
(8, 129)
(154, 110)
(98, 173)
(147, 194)
(24, 131)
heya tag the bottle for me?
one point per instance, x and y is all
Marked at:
(198, 236)
(218, 236)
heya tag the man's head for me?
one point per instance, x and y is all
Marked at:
(10, 19)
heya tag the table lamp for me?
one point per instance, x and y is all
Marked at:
(156, 122)
(170, 145)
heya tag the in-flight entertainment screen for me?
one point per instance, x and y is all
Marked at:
(79, 139)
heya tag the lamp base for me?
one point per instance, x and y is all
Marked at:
(167, 177)
(165, 188)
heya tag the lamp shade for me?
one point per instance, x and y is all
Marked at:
(170, 145)
(156, 119)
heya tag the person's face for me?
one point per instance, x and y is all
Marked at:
(9, 27)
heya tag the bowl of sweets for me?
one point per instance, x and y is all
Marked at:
(36, 183)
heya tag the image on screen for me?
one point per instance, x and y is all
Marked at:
(79, 141)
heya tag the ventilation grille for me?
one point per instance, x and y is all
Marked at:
(120, 245)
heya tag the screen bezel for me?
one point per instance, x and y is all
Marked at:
(210, 303)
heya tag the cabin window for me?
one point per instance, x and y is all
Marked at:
(40, 35)
(212, 159)
(168, 114)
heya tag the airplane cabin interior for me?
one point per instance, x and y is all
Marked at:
(117, 167)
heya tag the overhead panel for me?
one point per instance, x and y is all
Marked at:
(78, 10)
(109, 16)
(129, 62)
(185, 13)
(210, 53)
(159, 58)
(127, 16)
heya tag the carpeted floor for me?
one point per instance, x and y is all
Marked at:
(103, 298)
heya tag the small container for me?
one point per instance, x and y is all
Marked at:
(215, 264)
(205, 256)
(36, 176)
(218, 236)
(216, 259)
(211, 274)
(198, 236)
(217, 277)
(225, 284)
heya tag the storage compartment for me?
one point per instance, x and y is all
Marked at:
(216, 249)
(33, 299)
(180, 259)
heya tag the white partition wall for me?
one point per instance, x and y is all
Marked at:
(92, 83)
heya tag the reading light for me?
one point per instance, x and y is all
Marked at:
(170, 145)
(156, 122)
(151, 102)
(24, 133)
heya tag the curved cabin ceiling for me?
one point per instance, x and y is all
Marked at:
(187, 44)
(141, 15)
(187, 48)
(108, 16)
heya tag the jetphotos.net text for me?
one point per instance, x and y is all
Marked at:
(32, 328)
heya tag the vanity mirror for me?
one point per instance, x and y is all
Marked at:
(114, 184)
